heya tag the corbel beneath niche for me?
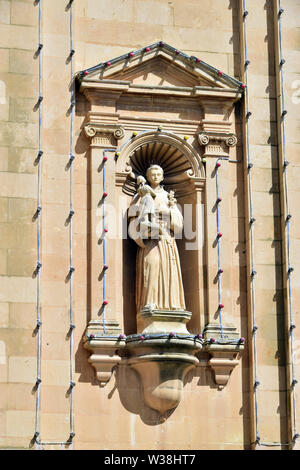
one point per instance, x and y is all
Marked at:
(224, 346)
(217, 144)
(106, 348)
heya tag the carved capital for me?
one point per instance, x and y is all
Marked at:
(217, 144)
(104, 135)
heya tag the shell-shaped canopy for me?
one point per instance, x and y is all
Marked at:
(171, 159)
(178, 159)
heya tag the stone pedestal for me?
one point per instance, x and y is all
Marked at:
(163, 321)
(162, 355)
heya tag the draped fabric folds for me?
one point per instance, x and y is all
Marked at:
(158, 273)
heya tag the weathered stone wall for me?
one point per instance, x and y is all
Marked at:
(114, 417)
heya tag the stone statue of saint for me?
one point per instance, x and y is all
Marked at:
(154, 219)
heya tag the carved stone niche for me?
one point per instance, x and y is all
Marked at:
(148, 108)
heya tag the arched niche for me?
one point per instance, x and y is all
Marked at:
(184, 174)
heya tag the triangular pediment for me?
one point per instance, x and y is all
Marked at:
(159, 71)
(161, 65)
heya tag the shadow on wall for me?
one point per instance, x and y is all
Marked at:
(235, 38)
(241, 245)
(274, 190)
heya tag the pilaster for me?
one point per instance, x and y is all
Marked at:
(221, 338)
(217, 147)
(103, 334)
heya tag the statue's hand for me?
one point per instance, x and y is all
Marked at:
(172, 199)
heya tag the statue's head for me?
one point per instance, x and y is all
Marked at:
(155, 174)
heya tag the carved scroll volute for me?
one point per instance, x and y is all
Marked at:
(231, 141)
(217, 144)
(203, 139)
(104, 135)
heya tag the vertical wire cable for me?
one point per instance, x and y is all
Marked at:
(251, 225)
(288, 220)
(36, 438)
(104, 246)
(39, 52)
(105, 230)
(72, 116)
(251, 222)
(218, 200)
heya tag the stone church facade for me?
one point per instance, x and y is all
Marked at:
(92, 94)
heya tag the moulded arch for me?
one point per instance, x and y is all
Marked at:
(134, 158)
(177, 157)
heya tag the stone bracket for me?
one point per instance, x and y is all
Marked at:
(109, 348)
(222, 363)
(162, 354)
(162, 362)
(224, 347)
(106, 348)
(105, 356)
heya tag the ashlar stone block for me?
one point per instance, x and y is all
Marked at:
(5, 11)
(22, 369)
(111, 10)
